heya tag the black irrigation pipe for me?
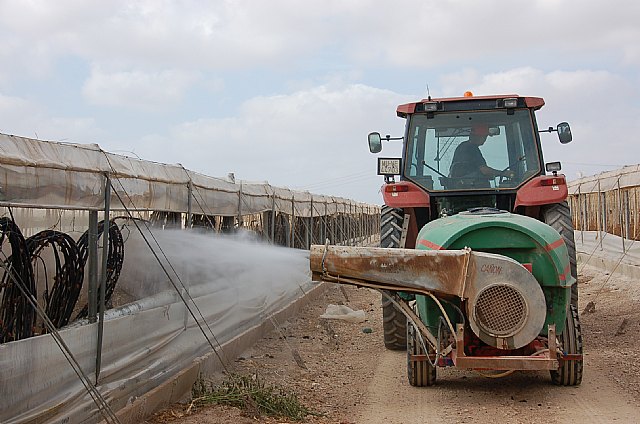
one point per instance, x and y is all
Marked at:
(17, 316)
(67, 281)
(61, 288)
(115, 259)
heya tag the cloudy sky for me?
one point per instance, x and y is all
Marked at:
(287, 90)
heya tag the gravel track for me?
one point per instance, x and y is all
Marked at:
(350, 377)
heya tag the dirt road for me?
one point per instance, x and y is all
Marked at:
(350, 377)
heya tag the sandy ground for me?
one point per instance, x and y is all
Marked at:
(350, 377)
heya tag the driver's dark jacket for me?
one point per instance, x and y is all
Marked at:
(467, 161)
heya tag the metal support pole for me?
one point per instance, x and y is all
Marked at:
(368, 224)
(600, 217)
(293, 222)
(103, 272)
(345, 231)
(351, 225)
(240, 206)
(635, 213)
(189, 206)
(273, 218)
(360, 222)
(583, 213)
(325, 235)
(334, 233)
(92, 265)
(310, 241)
(354, 211)
(620, 219)
(627, 215)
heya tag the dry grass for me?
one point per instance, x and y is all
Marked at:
(250, 394)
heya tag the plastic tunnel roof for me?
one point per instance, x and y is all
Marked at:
(45, 174)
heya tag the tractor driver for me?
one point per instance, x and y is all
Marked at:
(468, 162)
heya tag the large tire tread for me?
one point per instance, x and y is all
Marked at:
(394, 322)
(570, 372)
(419, 373)
(558, 217)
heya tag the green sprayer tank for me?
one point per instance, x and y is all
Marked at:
(532, 243)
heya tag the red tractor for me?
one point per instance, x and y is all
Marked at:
(477, 155)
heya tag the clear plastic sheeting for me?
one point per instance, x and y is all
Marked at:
(35, 173)
(150, 335)
(235, 283)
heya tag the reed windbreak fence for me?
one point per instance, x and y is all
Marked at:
(608, 202)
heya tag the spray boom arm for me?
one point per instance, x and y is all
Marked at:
(489, 283)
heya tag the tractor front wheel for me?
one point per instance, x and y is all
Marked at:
(419, 370)
(394, 323)
(570, 372)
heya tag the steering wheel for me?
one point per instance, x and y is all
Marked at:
(504, 178)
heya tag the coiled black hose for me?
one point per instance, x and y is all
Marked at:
(17, 316)
(67, 281)
(115, 259)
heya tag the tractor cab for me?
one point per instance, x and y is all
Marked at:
(467, 152)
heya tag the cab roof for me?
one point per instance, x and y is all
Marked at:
(469, 103)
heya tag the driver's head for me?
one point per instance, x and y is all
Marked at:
(479, 133)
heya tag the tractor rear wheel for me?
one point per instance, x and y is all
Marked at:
(570, 372)
(558, 217)
(394, 322)
(419, 371)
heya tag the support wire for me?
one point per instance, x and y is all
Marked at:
(101, 403)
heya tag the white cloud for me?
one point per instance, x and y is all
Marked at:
(222, 35)
(311, 136)
(137, 89)
(24, 118)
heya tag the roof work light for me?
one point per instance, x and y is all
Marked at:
(511, 102)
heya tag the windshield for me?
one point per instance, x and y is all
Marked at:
(471, 150)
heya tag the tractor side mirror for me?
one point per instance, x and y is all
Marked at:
(375, 142)
(564, 133)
